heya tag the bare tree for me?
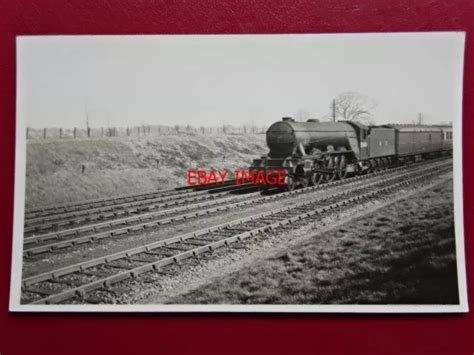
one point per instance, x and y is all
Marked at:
(353, 106)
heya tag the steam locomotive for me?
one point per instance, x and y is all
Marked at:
(314, 152)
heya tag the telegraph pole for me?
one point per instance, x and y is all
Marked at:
(86, 111)
(87, 125)
(334, 110)
(420, 120)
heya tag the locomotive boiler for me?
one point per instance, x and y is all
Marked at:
(313, 152)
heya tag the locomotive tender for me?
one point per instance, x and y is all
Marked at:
(313, 152)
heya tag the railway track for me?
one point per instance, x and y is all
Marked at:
(76, 282)
(108, 202)
(56, 222)
(61, 240)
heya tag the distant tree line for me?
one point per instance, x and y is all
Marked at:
(137, 131)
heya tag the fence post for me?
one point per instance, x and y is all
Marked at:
(88, 132)
(44, 133)
(60, 133)
(74, 132)
(27, 132)
(138, 130)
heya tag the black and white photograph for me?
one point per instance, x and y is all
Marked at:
(239, 173)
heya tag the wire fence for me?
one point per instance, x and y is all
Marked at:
(137, 131)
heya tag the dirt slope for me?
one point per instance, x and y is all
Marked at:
(115, 166)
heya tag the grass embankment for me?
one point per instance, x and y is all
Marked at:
(401, 254)
(117, 166)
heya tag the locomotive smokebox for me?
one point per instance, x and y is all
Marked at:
(284, 136)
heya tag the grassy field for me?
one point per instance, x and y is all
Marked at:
(115, 166)
(402, 254)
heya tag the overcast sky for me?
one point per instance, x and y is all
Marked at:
(215, 80)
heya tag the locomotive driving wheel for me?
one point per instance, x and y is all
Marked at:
(316, 178)
(342, 167)
(332, 164)
(304, 182)
(290, 183)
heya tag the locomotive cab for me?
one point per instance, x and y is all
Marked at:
(362, 133)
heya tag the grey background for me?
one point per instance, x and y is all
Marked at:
(215, 80)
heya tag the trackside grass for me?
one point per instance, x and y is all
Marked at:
(403, 253)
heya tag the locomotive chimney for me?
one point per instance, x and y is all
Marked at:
(286, 119)
(312, 120)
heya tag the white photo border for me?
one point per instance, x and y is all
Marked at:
(19, 210)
